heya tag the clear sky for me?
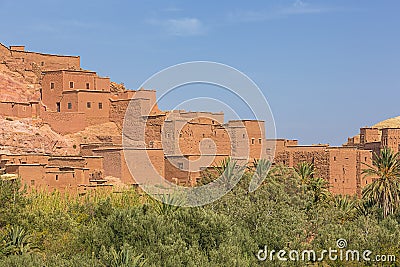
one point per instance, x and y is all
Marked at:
(326, 67)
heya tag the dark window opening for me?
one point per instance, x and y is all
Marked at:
(41, 94)
(58, 106)
(259, 141)
(88, 104)
(32, 182)
(71, 84)
(100, 105)
(69, 105)
(56, 177)
(87, 86)
(42, 63)
(51, 85)
(252, 141)
(180, 165)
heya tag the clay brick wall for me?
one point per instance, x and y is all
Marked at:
(67, 161)
(50, 96)
(47, 61)
(154, 126)
(26, 159)
(186, 170)
(369, 135)
(256, 135)
(93, 162)
(202, 135)
(57, 120)
(19, 110)
(391, 138)
(112, 161)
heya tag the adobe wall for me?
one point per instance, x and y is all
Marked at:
(346, 170)
(19, 110)
(67, 161)
(112, 161)
(256, 134)
(186, 170)
(369, 135)
(201, 135)
(47, 61)
(58, 120)
(51, 96)
(154, 126)
(391, 138)
(26, 159)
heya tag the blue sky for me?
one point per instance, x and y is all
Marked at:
(326, 67)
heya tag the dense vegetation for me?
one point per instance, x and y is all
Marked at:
(291, 209)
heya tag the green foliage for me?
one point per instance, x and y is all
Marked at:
(12, 201)
(130, 229)
(122, 258)
(385, 190)
(17, 242)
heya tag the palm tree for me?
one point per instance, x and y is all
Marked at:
(229, 172)
(319, 189)
(384, 190)
(305, 171)
(261, 168)
(122, 258)
(346, 207)
(18, 242)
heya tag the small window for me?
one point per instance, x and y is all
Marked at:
(32, 182)
(88, 104)
(51, 85)
(180, 165)
(42, 63)
(204, 135)
(151, 144)
(244, 136)
(180, 135)
(87, 85)
(71, 84)
(252, 141)
(58, 104)
(365, 159)
(56, 177)
(100, 105)
(334, 158)
(259, 141)
(69, 105)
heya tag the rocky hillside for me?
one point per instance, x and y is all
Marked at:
(18, 84)
(32, 136)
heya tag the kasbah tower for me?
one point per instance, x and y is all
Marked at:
(62, 130)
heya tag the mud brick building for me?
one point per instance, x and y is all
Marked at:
(90, 110)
